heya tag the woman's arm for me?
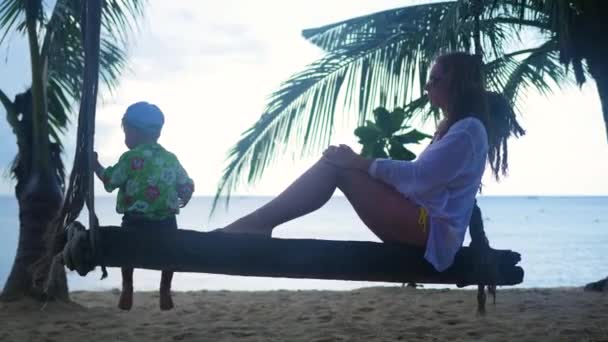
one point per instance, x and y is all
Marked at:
(444, 160)
(185, 186)
(115, 176)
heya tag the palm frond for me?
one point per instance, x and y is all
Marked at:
(397, 21)
(120, 17)
(64, 49)
(285, 119)
(62, 53)
(66, 55)
(371, 61)
(58, 104)
(12, 16)
(518, 72)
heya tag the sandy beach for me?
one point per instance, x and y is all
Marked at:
(369, 314)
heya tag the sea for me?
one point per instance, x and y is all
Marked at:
(563, 241)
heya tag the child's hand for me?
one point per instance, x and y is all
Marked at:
(97, 167)
(96, 159)
(184, 193)
(182, 202)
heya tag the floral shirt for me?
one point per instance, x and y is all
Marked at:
(151, 182)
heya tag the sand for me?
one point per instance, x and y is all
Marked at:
(369, 314)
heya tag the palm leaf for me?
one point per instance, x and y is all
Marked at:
(12, 16)
(301, 112)
(66, 54)
(537, 69)
(368, 62)
(62, 51)
(383, 59)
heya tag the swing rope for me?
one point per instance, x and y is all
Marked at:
(81, 187)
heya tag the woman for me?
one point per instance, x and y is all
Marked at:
(427, 202)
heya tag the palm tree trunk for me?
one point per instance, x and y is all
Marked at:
(39, 196)
(40, 151)
(39, 201)
(598, 67)
(31, 245)
(35, 214)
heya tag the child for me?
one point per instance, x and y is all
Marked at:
(152, 187)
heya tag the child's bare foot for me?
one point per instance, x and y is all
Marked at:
(166, 302)
(126, 298)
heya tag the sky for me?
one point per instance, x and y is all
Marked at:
(210, 65)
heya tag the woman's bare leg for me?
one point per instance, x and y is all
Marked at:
(386, 212)
(306, 194)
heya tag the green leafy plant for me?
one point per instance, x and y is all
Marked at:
(386, 136)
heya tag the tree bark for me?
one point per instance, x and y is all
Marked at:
(38, 206)
(39, 198)
(598, 68)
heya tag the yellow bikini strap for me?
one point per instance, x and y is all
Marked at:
(423, 218)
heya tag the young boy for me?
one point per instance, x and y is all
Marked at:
(152, 187)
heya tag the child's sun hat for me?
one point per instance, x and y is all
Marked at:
(145, 117)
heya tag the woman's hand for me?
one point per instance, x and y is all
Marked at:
(344, 157)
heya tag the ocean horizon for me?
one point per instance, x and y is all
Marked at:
(562, 240)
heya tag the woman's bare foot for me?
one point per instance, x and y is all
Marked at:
(237, 230)
(166, 302)
(247, 225)
(126, 298)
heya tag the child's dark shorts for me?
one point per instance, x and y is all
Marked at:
(139, 222)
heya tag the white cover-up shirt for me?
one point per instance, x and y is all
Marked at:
(444, 180)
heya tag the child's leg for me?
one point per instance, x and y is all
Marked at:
(126, 296)
(166, 302)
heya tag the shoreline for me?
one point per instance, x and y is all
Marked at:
(366, 314)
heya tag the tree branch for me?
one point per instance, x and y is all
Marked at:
(11, 113)
(51, 28)
(39, 106)
(6, 102)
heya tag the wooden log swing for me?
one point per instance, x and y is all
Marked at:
(252, 255)
(236, 254)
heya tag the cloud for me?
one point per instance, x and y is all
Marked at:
(210, 66)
